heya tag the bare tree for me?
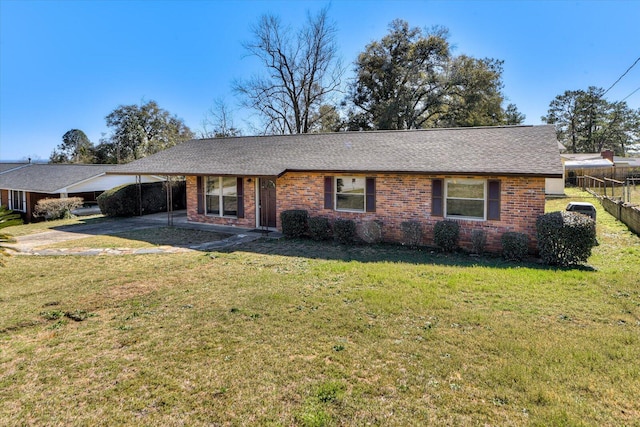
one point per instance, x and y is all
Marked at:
(302, 71)
(218, 122)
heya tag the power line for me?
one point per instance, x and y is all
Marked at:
(623, 74)
(630, 94)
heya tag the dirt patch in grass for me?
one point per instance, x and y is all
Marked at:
(173, 236)
(148, 237)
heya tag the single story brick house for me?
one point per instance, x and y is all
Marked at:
(487, 178)
(22, 185)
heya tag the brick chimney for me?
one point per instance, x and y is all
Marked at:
(607, 154)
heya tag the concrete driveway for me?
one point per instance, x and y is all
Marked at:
(29, 244)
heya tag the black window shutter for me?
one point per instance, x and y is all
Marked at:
(328, 192)
(371, 195)
(436, 197)
(240, 194)
(493, 201)
(200, 194)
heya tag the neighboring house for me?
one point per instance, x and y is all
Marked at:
(599, 165)
(555, 186)
(22, 185)
(490, 178)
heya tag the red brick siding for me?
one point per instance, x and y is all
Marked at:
(399, 198)
(249, 196)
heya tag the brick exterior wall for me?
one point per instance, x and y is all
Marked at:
(399, 198)
(249, 196)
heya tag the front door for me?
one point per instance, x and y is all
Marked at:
(267, 204)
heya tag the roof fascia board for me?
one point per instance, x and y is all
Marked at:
(528, 175)
(65, 188)
(510, 174)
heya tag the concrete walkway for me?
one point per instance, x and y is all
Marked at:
(31, 244)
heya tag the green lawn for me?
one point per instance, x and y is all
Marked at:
(303, 333)
(38, 227)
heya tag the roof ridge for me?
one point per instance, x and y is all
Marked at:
(375, 131)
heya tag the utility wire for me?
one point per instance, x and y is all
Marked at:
(630, 94)
(623, 74)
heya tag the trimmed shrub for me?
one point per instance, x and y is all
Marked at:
(56, 208)
(446, 234)
(344, 231)
(295, 222)
(411, 233)
(370, 231)
(515, 246)
(478, 241)
(319, 228)
(565, 238)
(125, 200)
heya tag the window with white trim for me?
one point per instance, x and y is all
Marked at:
(350, 193)
(465, 198)
(221, 196)
(17, 200)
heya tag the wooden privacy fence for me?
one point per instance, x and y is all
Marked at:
(607, 187)
(615, 197)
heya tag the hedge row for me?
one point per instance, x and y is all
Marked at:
(125, 199)
(564, 238)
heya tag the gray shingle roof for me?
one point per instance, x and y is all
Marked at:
(7, 166)
(49, 178)
(508, 150)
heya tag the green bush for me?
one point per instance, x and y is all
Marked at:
(319, 228)
(56, 208)
(478, 241)
(125, 199)
(295, 222)
(370, 231)
(565, 238)
(411, 233)
(515, 246)
(446, 234)
(344, 231)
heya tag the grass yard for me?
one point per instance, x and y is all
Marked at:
(311, 334)
(38, 227)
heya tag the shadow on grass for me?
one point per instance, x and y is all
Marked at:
(385, 253)
(194, 234)
(151, 232)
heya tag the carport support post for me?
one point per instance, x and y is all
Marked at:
(139, 185)
(169, 201)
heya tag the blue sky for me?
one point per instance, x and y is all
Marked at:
(67, 64)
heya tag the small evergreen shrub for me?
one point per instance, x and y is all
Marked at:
(515, 246)
(411, 233)
(565, 238)
(319, 228)
(478, 241)
(370, 231)
(344, 231)
(56, 208)
(295, 222)
(446, 234)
